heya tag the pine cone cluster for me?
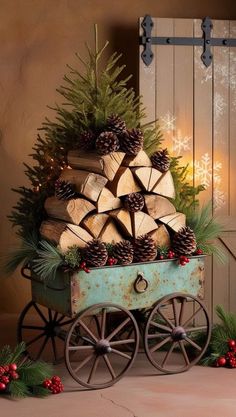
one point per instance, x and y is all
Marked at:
(134, 202)
(64, 190)
(123, 252)
(107, 142)
(184, 242)
(144, 249)
(115, 124)
(95, 253)
(86, 140)
(131, 141)
(161, 160)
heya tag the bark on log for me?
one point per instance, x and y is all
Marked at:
(158, 206)
(88, 184)
(72, 211)
(106, 165)
(123, 183)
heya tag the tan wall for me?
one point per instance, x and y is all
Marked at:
(38, 38)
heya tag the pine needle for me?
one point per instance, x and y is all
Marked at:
(48, 260)
(25, 253)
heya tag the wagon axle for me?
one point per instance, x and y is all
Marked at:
(178, 333)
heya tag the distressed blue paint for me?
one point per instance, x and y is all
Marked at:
(116, 284)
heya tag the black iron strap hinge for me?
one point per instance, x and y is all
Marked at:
(206, 41)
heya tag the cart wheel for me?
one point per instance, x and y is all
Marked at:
(100, 361)
(173, 340)
(44, 332)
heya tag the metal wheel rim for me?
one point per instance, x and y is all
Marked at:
(191, 363)
(126, 367)
(53, 316)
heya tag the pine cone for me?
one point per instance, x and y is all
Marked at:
(131, 141)
(107, 142)
(115, 124)
(161, 160)
(64, 190)
(95, 254)
(86, 140)
(144, 249)
(184, 242)
(123, 252)
(134, 202)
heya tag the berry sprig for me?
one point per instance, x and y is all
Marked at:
(54, 384)
(229, 359)
(7, 374)
(183, 260)
(83, 266)
(111, 261)
(199, 252)
(165, 253)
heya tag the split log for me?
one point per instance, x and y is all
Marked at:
(143, 223)
(165, 186)
(88, 184)
(123, 183)
(158, 206)
(106, 165)
(107, 201)
(174, 221)
(161, 236)
(94, 223)
(147, 177)
(64, 234)
(72, 211)
(110, 233)
(140, 160)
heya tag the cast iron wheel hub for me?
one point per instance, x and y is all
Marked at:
(102, 347)
(178, 333)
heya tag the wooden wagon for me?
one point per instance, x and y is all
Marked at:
(95, 320)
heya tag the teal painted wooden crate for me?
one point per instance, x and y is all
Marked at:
(70, 294)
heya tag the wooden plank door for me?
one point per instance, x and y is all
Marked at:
(196, 110)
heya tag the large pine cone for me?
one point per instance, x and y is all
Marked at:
(107, 142)
(161, 160)
(64, 190)
(95, 253)
(123, 252)
(144, 249)
(134, 202)
(131, 141)
(184, 242)
(86, 140)
(115, 124)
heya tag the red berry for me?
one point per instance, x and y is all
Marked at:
(221, 361)
(231, 343)
(14, 375)
(83, 264)
(183, 263)
(86, 270)
(13, 366)
(47, 383)
(2, 386)
(161, 257)
(56, 379)
(5, 379)
(199, 252)
(2, 370)
(6, 368)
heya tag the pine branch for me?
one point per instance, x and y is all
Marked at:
(48, 260)
(24, 254)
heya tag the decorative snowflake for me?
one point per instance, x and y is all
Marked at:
(168, 122)
(219, 199)
(219, 105)
(204, 170)
(181, 143)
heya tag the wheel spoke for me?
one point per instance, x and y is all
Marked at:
(115, 331)
(160, 344)
(55, 316)
(32, 327)
(94, 368)
(156, 335)
(118, 352)
(193, 343)
(86, 360)
(60, 319)
(82, 324)
(86, 347)
(165, 318)
(161, 326)
(192, 316)
(64, 323)
(35, 339)
(122, 342)
(174, 304)
(168, 353)
(50, 315)
(42, 347)
(54, 348)
(182, 309)
(109, 366)
(195, 329)
(103, 324)
(181, 344)
(40, 313)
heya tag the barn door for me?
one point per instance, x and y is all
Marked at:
(196, 109)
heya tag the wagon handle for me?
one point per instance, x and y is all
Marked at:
(25, 275)
(140, 284)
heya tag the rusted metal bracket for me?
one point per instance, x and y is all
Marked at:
(206, 41)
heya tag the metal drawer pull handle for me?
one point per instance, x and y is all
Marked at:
(140, 284)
